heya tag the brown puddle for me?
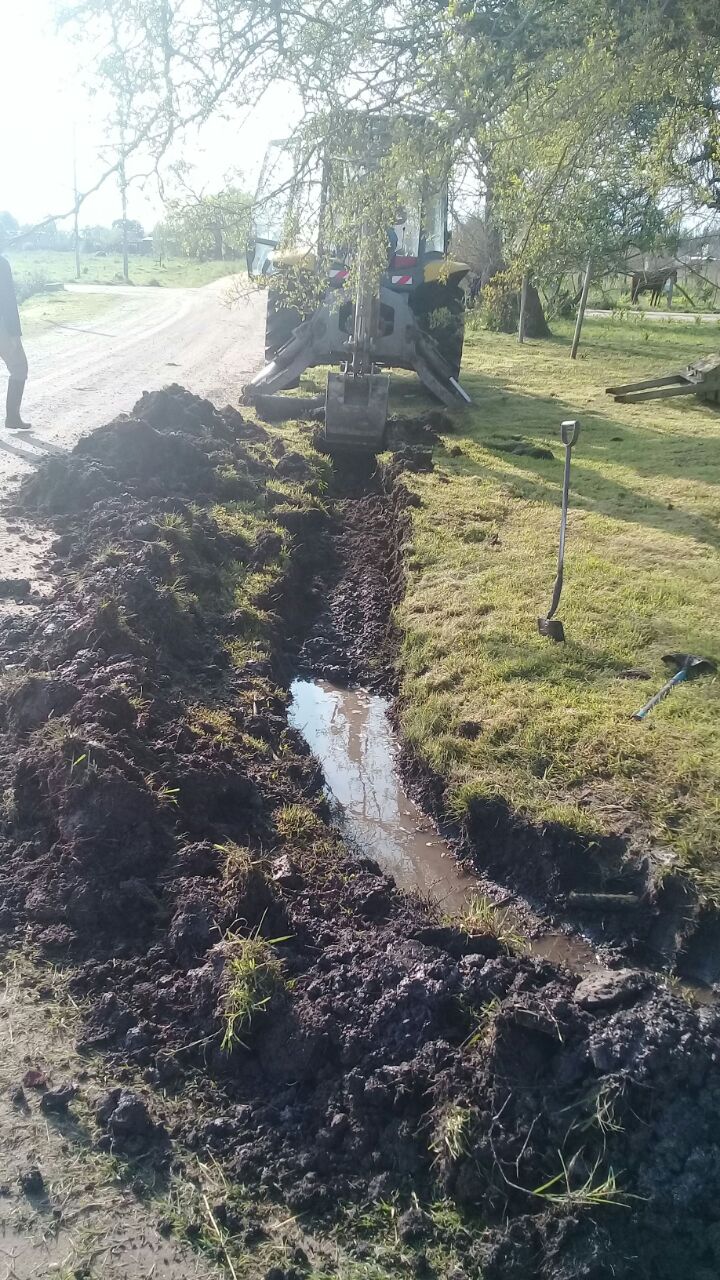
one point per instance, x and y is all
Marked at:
(350, 733)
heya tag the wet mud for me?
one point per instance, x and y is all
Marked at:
(166, 832)
(351, 734)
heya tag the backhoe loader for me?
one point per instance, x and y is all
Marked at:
(365, 309)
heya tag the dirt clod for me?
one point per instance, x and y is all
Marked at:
(293, 466)
(610, 988)
(14, 588)
(56, 1101)
(18, 1099)
(35, 1078)
(411, 1225)
(32, 1182)
(127, 1116)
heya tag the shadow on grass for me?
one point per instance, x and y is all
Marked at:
(647, 450)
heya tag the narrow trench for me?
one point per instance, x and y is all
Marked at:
(348, 728)
(349, 732)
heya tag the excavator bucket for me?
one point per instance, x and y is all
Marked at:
(356, 408)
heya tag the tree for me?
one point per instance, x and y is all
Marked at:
(132, 230)
(594, 154)
(538, 94)
(45, 236)
(209, 226)
(583, 180)
(97, 239)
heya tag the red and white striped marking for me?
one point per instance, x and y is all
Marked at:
(401, 279)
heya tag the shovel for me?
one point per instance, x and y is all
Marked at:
(550, 625)
(687, 665)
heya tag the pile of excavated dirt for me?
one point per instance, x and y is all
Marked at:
(164, 831)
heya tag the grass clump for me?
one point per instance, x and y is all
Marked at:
(213, 720)
(481, 918)
(254, 977)
(484, 1019)
(238, 862)
(297, 822)
(173, 523)
(242, 520)
(595, 1190)
(451, 1135)
(257, 745)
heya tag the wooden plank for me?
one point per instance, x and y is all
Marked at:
(668, 380)
(661, 393)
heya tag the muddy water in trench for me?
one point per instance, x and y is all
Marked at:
(349, 732)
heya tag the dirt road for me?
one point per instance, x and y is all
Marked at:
(80, 377)
(685, 317)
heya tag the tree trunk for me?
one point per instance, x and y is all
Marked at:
(508, 312)
(494, 262)
(536, 326)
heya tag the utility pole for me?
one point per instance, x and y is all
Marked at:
(122, 180)
(581, 310)
(123, 200)
(76, 198)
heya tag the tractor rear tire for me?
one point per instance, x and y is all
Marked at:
(440, 311)
(280, 321)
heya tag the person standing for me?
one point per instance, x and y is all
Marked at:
(12, 352)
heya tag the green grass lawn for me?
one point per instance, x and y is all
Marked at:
(53, 267)
(642, 577)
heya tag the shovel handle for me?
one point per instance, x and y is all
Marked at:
(569, 432)
(678, 678)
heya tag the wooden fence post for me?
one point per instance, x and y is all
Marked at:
(581, 310)
(523, 306)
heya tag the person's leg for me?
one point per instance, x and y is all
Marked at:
(12, 353)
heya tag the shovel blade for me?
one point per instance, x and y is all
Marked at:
(552, 628)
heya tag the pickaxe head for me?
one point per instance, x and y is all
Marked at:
(690, 663)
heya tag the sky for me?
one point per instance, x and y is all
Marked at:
(46, 112)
